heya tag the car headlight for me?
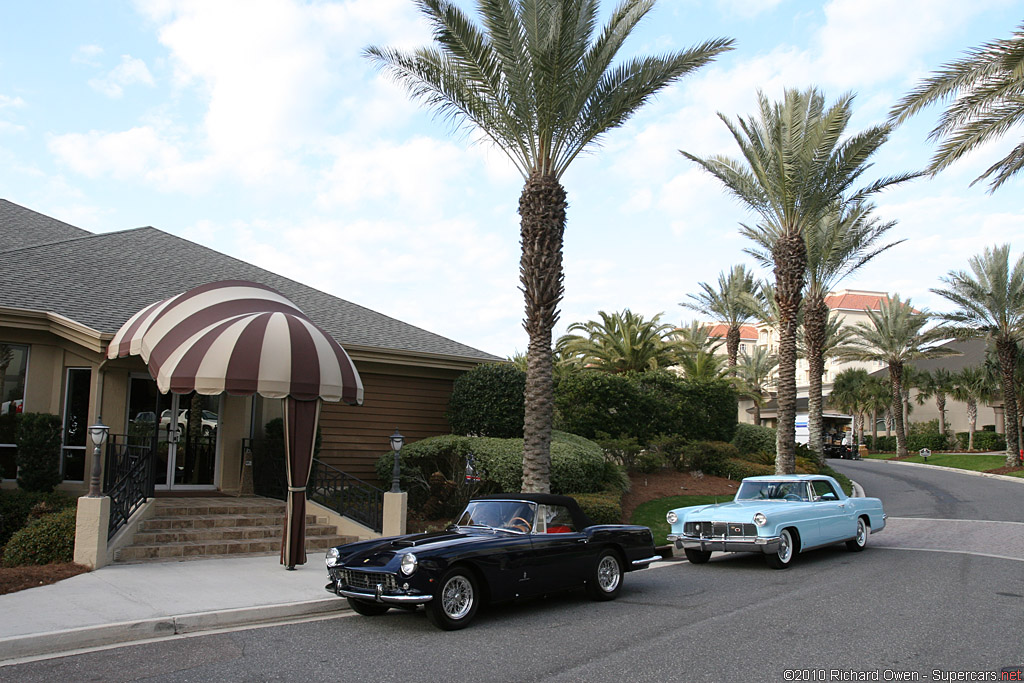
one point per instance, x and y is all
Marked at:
(671, 517)
(408, 563)
(760, 519)
(332, 557)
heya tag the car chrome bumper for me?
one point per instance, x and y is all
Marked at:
(378, 596)
(761, 544)
(642, 564)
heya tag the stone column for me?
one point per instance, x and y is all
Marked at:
(91, 525)
(396, 507)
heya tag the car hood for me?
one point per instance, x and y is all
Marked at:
(381, 554)
(736, 511)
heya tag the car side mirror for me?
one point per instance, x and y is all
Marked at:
(828, 496)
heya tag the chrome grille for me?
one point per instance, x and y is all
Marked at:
(719, 530)
(368, 580)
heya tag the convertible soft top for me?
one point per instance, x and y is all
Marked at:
(579, 518)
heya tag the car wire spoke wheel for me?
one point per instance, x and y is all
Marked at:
(457, 597)
(606, 581)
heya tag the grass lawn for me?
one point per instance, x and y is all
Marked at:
(979, 462)
(652, 513)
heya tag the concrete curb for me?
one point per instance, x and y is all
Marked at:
(54, 642)
(1001, 477)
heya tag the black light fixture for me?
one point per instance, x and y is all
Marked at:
(98, 433)
(396, 445)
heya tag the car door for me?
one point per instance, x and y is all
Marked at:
(560, 550)
(835, 520)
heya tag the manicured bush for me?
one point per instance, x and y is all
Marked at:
(670, 446)
(602, 508)
(648, 462)
(17, 507)
(488, 401)
(884, 444)
(623, 451)
(737, 468)
(644, 406)
(577, 466)
(49, 539)
(754, 439)
(983, 441)
(39, 442)
(709, 457)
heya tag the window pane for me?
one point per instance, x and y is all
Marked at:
(76, 423)
(13, 366)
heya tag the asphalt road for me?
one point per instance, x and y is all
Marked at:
(882, 614)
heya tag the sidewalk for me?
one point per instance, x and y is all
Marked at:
(131, 602)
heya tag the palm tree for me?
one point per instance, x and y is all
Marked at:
(796, 170)
(850, 392)
(985, 88)
(895, 335)
(936, 384)
(538, 81)
(730, 303)
(621, 342)
(702, 364)
(971, 385)
(755, 370)
(989, 303)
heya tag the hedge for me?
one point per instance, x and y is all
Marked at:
(602, 508)
(983, 441)
(16, 507)
(488, 401)
(644, 406)
(49, 539)
(577, 466)
(39, 442)
(754, 439)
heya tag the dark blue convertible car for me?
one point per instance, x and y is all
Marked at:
(502, 547)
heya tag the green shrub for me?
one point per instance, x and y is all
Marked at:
(708, 456)
(623, 451)
(39, 442)
(884, 444)
(644, 406)
(737, 468)
(488, 401)
(983, 441)
(751, 439)
(17, 506)
(602, 508)
(670, 446)
(577, 465)
(649, 462)
(49, 539)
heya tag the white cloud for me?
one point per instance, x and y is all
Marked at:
(125, 155)
(7, 101)
(87, 54)
(130, 71)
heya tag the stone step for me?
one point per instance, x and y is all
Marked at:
(169, 507)
(210, 521)
(230, 533)
(224, 548)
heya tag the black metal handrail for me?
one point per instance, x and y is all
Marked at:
(130, 468)
(346, 495)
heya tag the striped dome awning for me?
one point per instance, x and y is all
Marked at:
(238, 337)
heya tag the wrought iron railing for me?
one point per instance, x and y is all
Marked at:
(346, 495)
(128, 477)
(332, 488)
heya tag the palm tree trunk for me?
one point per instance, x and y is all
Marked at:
(815, 323)
(732, 346)
(874, 428)
(940, 403)
(896, 380)
(972, 422)
(757, 413)
(542, 208)
(790, 257)
(1007, 352)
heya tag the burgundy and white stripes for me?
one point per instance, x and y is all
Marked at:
(241, 338)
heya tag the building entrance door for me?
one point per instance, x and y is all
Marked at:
(184, 428)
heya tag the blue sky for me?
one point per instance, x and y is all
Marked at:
(256, 128)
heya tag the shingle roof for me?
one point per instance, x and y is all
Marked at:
(101, 280)
(21, 227)
(971, 352)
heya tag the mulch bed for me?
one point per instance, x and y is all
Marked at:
(19, 578)
(645, 487)
(1005, 470)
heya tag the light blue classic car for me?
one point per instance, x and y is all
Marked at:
(778, 516)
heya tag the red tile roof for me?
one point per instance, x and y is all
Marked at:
(855, 302)
(747, 332)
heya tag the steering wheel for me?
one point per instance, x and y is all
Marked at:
(792, 496)
(519, 524)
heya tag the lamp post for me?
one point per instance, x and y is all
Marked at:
(396, 445)
(98, 434)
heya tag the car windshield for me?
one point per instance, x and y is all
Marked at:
(511, 515)
(772, 490)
